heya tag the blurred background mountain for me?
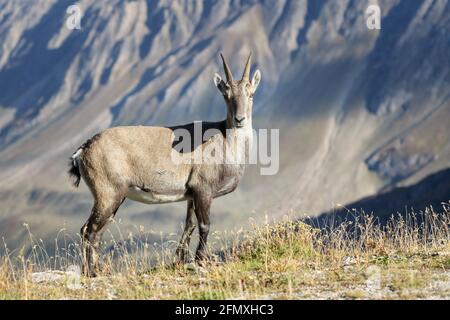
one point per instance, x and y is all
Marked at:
(360, 111)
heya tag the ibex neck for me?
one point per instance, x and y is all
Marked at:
(239, 144)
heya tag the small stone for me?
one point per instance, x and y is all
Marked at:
(348, 261)
(47, 276)
(71, 277)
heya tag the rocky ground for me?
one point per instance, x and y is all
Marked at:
(288, 260)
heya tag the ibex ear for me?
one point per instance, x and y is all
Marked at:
(256, 79)
(220, 84)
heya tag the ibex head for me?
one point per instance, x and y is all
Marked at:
(238, 94)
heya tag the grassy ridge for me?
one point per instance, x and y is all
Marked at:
(409, 258)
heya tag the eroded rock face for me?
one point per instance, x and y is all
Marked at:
(395, 164)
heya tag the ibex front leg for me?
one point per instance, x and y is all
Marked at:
(183, 247)
(202, 203)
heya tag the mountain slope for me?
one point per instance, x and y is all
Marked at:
(358, 110)
(433, 191)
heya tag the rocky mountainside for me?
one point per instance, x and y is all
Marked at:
(404, 201)
(358, 110)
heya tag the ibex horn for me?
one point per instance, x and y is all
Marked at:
(246, 74)
(228, 73)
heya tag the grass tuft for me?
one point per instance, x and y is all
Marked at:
(408, 258)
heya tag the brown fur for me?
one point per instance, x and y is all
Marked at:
(136, 162)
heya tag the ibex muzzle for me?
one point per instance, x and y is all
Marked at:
(135, 162)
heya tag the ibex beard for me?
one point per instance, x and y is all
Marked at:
(136, 162)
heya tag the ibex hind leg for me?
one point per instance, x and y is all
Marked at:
(189, 227)
(103, 210)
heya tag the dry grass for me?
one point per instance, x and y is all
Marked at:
(409, 258)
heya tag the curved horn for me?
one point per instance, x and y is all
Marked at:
(246, 74)
(228, 73)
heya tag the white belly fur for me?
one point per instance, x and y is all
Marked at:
(136, 194)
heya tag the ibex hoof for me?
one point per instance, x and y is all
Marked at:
(182, 256)
(92, 271)
(201, 257)
(89, 273)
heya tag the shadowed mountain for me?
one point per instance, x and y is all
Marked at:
(432, 191)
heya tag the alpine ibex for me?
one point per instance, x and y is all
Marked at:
(136, 162)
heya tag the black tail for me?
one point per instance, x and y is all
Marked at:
(74, 173)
